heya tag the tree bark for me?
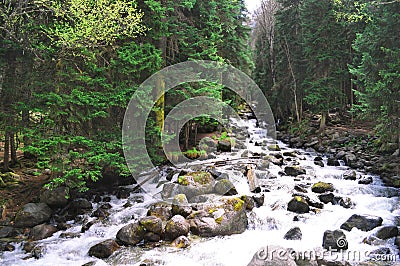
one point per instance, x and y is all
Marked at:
(13, 149)
(322, 124)
(6, 163)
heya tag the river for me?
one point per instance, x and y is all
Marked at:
(267, 224)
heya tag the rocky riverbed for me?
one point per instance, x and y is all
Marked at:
(247, 201)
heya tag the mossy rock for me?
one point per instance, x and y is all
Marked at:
(322, 187)
(298, 205)
(274, 147)
(196, 179)
(234, 204)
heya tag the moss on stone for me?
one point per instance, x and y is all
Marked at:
(219, 220)
(322, 187)
(236, 203)
(195, 178)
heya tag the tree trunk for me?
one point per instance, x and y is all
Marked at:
(322, 124)
(13, 149)
(6, 163)
(294, 81)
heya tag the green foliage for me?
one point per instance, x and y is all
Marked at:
(376, 67)
(85, 23)
(194, 153)
(300, 129)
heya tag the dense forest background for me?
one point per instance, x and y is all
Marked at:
(69, 68)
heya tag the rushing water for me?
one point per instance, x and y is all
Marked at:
(267, 224)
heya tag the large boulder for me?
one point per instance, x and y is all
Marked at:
(298, 205)
(180, 205)
(387, 232)
(175, 227)
(226, 217)
(152, 224)
(362, 222)
(79, 206)
(294, 170)
(160, 211)
(104, 249)
(273, 256)
(191, 184)
(207, 144)
(224, 145)
(334, 240)
(322, 187)
(55, 198)
(33, 214)
(131, 234)
(293, 234)
(225, 187)
(42, 231)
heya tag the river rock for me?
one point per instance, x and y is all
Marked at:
(79, 206)
(319, 163)
(100, 213)
(259, 199)
(226, 217)
(152, 224)
(274, 147)
(7, 247)
(151, 237)
(267, 256)
(9, 231)
(365, 180)
(298, 205)
(387, 232)
(180, 205)
(87, 226)
(42, 231)
(333, 162)
(380, 251)
(191, 184)
(104, 249)
(33, 214)
(293, 234)
(322, 187)
(162, 212)
(225, 187)
(175, 227)
(122, 193)
(294, 170)
(130, 234)
(349, 159)
(334, 240)
(224, 145)
(350, 175)
(55, 198)
(326, 197)
(181, 242)
(362, 222)
(207, 144)
(346, 202)
(274, 160)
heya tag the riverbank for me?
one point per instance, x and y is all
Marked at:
(345, 140)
